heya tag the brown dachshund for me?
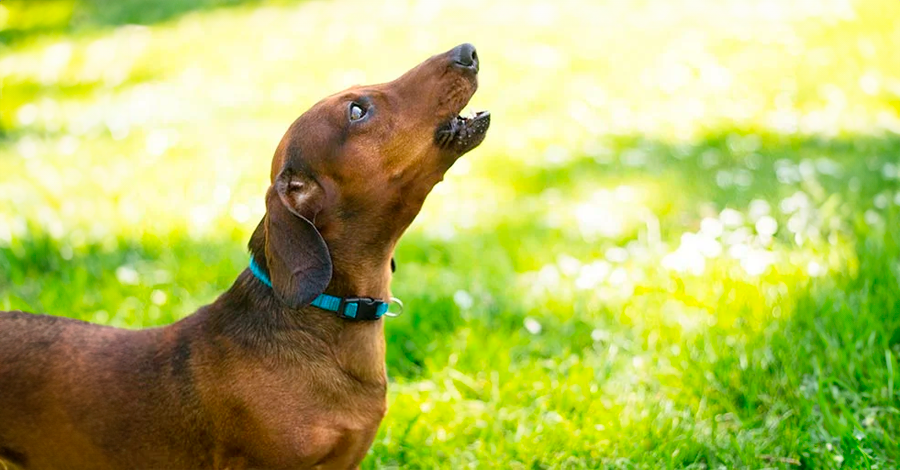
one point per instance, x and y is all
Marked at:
(286, 369)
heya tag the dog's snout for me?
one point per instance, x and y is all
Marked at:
(465, 56)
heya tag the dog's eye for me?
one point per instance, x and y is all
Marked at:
(356, 112)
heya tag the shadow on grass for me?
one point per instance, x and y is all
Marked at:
(146, 282)
(727, 168)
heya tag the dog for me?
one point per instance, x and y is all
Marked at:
(286, 369)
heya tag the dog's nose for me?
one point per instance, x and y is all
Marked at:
(464, 56)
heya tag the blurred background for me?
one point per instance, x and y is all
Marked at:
(677, 246)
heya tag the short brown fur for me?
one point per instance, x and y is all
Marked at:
(257, 379)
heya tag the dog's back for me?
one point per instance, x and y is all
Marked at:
(25, 341)
(30, 352)
(30, 348)
(78, 392)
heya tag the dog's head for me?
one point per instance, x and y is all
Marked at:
(352, 172)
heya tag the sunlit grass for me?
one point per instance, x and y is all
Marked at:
(676, 248)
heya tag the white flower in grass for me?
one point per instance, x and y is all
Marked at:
(533, 326)
(869, 421)
(599, 335)
(617, 254)
(685, 259)
(786, 172)
(756, 262)
(815, 269)
(463, 299)
(618, 277)
(591, 275)
(568, 264)
(127, 275)
(724, 178)
(766, 226)
(711, 226)
(869, 83)
(548, 277)
(27, 147)
(759, 208)
(158, 297)
(27, 114)
(798, 201)
(553, 417)
(827, 166)
(708, 246)
(595, 219)
(731, 218)
(873, 218)
(743, 178)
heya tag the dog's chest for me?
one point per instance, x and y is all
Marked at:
(292, 424)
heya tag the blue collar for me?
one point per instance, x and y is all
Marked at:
(353, 308)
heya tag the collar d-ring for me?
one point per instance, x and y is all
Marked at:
(394, 301)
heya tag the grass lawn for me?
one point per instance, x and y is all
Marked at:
(677, 248)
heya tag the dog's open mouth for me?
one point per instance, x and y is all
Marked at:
(461, 134)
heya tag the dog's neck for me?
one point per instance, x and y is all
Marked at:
(357, 346)
(368, 276)
(357, 271)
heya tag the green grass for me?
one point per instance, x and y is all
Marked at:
(677, 247)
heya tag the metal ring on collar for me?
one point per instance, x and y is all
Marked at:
(397, 301)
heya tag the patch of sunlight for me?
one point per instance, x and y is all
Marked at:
(607, 212)
(742, 247)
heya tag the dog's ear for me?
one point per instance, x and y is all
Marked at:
(297, 257)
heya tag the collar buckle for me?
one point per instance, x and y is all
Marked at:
(361, 308)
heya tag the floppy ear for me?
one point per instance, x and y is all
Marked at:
(297, 258)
